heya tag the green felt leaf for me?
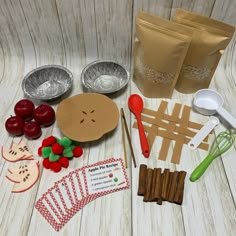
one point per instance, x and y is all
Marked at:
(68, 149)
(53, 157)
(46, 152)
(68, 152)
(65, 142)
(74, 143)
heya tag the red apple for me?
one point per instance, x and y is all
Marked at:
(44, 115)
(15, 125)
(32, 130)
(25, 109)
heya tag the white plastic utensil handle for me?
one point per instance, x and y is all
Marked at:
(228, 117)
(203, 132)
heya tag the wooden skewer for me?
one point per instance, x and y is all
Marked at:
(123, 141)
(128, 136)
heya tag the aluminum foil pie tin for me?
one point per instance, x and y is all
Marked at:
(104, 77)
(47, 82)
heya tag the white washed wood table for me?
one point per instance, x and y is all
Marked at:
(73, 33)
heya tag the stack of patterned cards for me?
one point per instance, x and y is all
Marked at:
(68, 195)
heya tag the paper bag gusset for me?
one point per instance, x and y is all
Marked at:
(159, 51)
(209, 40)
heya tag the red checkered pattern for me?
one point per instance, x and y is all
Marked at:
(64, 215)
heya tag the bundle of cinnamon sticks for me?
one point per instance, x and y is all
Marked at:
(156, 186)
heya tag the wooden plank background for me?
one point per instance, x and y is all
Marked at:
(73, 33)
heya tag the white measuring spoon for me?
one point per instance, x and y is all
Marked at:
(203, 132)
(208, 102)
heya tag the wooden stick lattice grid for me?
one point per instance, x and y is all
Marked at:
(175, 127)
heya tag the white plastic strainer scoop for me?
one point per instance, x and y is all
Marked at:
(209, 102)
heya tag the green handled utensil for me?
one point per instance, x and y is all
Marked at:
(221, 144)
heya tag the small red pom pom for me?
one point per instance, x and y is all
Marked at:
(55, 166)
(77, 151)
(64, 162)
(57, 148)
(49, 141)
(40, 151)
(46, 163)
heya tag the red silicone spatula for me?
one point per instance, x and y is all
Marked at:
(135, 103)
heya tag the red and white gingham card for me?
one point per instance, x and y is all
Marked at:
(79, 187)
(44, 206)
(105, 177)
(71, 193)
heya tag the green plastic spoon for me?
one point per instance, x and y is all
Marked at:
(221, 144)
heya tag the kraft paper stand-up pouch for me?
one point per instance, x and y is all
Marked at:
(210, 38)
(159, 51)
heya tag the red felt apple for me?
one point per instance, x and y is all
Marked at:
(32, 130)
(44, 115)
(15, 125)
(25, 109)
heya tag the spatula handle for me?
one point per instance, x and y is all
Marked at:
(143, 138)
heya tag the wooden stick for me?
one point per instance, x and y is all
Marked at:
(128, 136)
(123, 142)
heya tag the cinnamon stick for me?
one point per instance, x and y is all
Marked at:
(169, 184)
(165, 182)
(147, 194)
(159, 199)
(142, 179)
(157, 187)
(179, 193)
(173, 185)
(152, 197)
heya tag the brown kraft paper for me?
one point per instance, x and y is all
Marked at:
(171, 127)
(209, 40)
(158, 116)
(159, 51)
(179, 144)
